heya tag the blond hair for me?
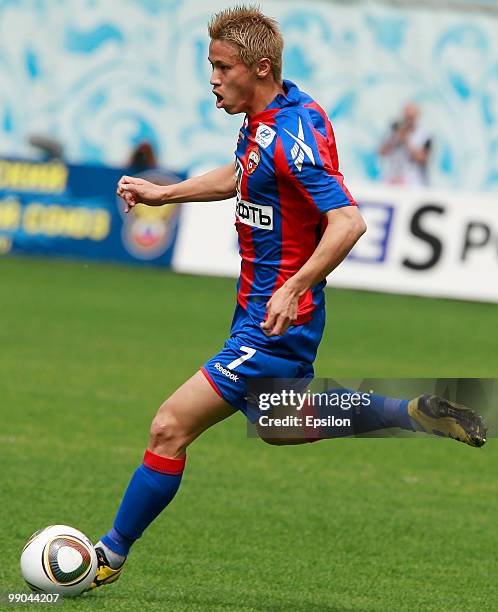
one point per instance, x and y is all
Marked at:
(255, 35)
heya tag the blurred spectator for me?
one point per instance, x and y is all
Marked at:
(142, 158)
(406, 150)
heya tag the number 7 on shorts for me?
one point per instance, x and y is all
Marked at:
(248, 353)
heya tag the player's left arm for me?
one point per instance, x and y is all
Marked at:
(345, 226)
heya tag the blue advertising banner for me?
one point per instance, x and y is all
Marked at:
(52, 208)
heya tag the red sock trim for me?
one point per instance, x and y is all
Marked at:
(211, 382)
(164, 465)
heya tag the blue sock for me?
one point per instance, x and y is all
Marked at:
(380, 413)
(151, 488)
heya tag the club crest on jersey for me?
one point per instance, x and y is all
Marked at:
(265, 135)
(253, 160)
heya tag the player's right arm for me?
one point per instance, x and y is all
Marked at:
(218, 184)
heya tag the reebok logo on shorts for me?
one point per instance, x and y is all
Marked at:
(226, 372)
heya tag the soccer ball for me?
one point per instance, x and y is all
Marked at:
(58, 559)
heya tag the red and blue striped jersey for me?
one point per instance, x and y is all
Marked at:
(287, 178)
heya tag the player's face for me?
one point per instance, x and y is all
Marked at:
(233, 82)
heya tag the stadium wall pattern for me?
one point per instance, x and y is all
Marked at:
(101, 75)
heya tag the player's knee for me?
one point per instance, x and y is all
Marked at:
(167, 437)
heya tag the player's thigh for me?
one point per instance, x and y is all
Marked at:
(190, 410)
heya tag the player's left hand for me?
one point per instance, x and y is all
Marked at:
(281, 311)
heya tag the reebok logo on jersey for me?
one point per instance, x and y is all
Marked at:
(226, 372)
(265, 135)
(300, 148)
(255, 215)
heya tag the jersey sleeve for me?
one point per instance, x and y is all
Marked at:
(303, 154)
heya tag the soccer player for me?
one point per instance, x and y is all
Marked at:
(296, 222)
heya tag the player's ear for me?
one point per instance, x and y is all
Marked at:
(263, 68)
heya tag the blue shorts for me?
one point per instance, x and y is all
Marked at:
(248, 353)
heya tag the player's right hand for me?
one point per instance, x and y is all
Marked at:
(281, 311)
(135, 191)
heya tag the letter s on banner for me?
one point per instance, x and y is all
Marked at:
(418, 231)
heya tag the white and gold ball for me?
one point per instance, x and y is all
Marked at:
(58, 559)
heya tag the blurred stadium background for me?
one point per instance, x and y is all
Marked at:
(91, 82)
(98, 325)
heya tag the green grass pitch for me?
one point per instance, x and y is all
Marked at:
(88, 352)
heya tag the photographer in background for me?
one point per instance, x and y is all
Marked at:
(406, 150)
